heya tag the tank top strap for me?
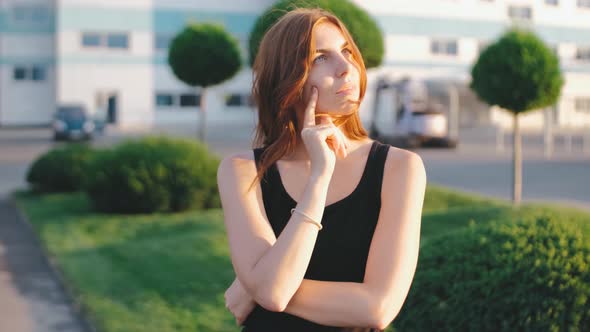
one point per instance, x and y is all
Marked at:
(257, 159)
(378, 158)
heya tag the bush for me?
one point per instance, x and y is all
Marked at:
(532, 275)
(60, 170)
(362, 27)
(154, 174)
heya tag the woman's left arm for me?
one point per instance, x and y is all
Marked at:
(392, 259)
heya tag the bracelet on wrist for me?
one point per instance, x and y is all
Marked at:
(308, 219)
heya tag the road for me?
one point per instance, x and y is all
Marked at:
(475, 166)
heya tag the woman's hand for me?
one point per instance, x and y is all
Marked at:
(238, 301)
(323, 141)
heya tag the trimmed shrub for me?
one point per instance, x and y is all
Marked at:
(60, 170)
(364, 30)
(154, 174)
(532, 275)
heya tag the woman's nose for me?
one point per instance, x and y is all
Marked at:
(343, 66)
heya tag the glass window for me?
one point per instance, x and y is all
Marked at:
(39, 13)
(584, 3)
(38, 73)
(20, 73)
(164, 99)
(520, 12)
(448, 47)
(19, 13)
(162, 42)
(90, 39)
(189, 99)
(118, 40)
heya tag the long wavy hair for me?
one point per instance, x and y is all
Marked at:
(280, 70)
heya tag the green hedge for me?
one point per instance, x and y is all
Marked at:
(531, 275)
(364, 30)
(60, 170)
(154, 174)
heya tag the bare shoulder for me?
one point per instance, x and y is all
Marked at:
(239, 166)
(403, 164)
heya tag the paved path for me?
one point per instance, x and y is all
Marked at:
(31, 297)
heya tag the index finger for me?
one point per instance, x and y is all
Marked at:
(309, 116)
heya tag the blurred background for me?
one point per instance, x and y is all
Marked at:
(98, 71)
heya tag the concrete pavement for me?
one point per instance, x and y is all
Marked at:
(32, 298)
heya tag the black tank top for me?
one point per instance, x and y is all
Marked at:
(342, 246)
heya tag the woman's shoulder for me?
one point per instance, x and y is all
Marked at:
(240, 163)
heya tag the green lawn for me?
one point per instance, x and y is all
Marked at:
(167, 272)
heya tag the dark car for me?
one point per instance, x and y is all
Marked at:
(74, 122)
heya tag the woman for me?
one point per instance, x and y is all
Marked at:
(313, 247)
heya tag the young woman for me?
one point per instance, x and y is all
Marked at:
(323, 223)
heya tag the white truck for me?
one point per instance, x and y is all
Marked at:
(404, 116)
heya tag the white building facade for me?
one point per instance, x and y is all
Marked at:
(110, 55)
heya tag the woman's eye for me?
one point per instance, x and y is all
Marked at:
(320, 58)
(347, 51)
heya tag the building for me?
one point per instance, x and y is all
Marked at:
(111, 55)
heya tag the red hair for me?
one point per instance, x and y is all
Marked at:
(280, 71)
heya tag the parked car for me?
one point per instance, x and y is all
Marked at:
(404, 115)
(74, 122)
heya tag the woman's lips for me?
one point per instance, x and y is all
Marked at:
(346, 91)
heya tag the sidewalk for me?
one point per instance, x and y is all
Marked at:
(32, 299)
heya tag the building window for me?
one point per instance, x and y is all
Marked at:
(552, 2)
(237, 99)
(90, 39)
(445, 47)
(583, 53)
(32, 73)
(117, 40)
(38, 73)
(30, 13)
(162, 42)
(164, 99)
(110, 40)
(520, 12)
(584, 3)
(583, 104)
(19, 73)
(189, 99)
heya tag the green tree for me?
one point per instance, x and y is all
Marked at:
(518, 73)
(362, 27)
(204, 55)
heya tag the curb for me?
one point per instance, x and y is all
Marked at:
(85, 318)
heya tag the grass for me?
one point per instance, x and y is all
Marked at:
(168, 272)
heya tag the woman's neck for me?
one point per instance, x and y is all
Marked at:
(300, 152)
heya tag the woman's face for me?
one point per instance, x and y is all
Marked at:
(333, 71)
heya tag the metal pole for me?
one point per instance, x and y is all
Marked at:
(453, 125)
(548, 133)
(499, 139)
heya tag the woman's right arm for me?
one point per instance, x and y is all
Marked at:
(270, 271)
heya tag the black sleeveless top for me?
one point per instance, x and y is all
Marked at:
(342, 246)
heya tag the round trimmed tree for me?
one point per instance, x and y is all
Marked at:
(518, 73)
(203, 55)
(362, 27)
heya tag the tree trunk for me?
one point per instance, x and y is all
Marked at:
(202, 117)
(517, 163)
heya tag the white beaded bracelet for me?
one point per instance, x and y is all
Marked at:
(308, 218)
